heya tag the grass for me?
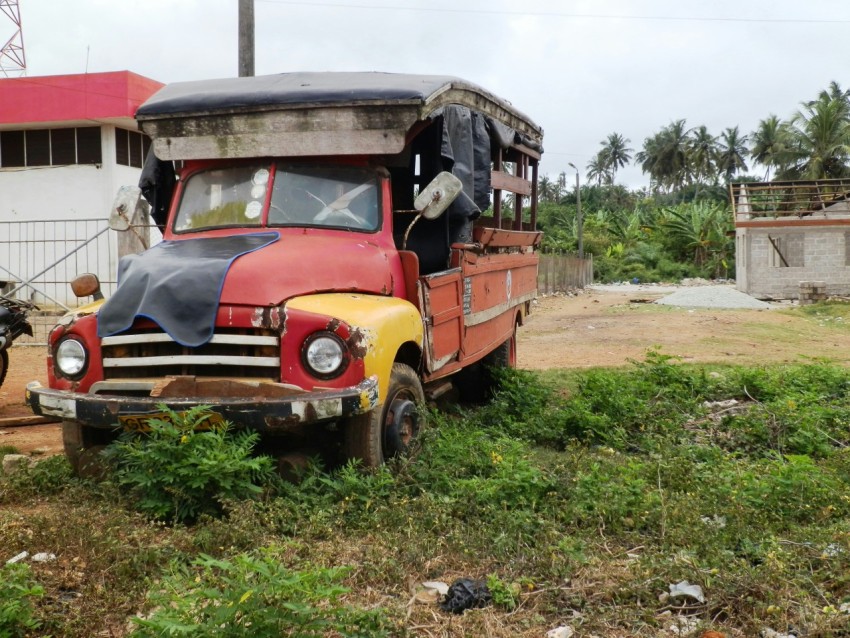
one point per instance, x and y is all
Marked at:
(580, 497)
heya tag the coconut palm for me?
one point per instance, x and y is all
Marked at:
(598, 170)
(769, 142)
(702, 149)
(731, 150)
(665, 156)
(819, 144)
(616, 153)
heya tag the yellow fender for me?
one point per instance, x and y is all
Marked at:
(387, 322)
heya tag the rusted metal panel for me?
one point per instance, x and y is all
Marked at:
(497, 286)
(503, 238)
(191, 386)
(256, 412)
(410, 267)
(441, 301)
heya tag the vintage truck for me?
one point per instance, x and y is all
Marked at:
(324, 266)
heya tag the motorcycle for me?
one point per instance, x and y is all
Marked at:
(13, 323)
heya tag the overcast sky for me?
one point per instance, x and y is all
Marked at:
(582, 69)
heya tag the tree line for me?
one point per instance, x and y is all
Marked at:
(681, 225)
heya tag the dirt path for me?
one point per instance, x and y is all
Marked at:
(26, 363)
(605, 328)
(595, 328)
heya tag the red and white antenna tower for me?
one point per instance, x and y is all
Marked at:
(13, 59)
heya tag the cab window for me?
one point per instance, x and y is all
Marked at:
(324, 196)
(232, 196)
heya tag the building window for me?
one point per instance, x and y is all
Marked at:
(88, 145)
(63, 144)
(12, 149)
(131, 148)
(787, 251)
(50, 147)
(38, 147)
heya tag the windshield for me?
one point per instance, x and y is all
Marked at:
(316, 195)
(332, 196)
(232, 196)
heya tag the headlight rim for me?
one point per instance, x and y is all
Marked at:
(345, 357)
(85, 354)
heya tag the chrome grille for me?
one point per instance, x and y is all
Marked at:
(230, 353)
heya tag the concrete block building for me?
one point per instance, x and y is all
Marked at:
(791, 233)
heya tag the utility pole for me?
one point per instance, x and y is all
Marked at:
(246, 38)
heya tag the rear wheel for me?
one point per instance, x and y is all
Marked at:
(390, 429)
(477, 383)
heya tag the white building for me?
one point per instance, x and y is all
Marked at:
(67, 143)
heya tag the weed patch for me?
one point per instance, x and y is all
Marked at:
(183, 467)
(582, 499)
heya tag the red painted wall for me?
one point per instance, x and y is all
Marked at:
(58, 98)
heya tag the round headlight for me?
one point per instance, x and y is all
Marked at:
(324, 355)
(70, 357)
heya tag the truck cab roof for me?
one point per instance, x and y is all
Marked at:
(311, 114)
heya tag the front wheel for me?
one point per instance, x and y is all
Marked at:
(389, 429)
(83, 449)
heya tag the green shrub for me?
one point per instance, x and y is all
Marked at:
(16, 593)
(256, 596)
(177, 471)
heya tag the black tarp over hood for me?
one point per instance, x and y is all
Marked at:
(176, 284)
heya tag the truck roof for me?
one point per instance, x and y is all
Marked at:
(309, 114)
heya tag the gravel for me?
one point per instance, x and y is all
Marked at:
(712, 297)
(692, 293)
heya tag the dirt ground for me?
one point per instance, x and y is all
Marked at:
(594, 328)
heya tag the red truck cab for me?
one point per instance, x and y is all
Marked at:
(323, 265)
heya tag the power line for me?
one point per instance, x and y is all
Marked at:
(557, 14)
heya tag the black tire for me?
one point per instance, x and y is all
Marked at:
(476, 383)
(390, 429)
(82, 452)
(4, 365)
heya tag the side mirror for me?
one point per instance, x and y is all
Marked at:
(124, 208)
(438, 195)
(85, 285)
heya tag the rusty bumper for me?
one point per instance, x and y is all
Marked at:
(258, 413)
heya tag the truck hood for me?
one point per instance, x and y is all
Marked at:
(180, 284)
(305, 263)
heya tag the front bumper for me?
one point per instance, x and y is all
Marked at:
(265, 415)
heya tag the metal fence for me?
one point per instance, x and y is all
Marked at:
(560, 273)
(38, 259)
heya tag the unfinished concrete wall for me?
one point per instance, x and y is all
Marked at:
(771, 262)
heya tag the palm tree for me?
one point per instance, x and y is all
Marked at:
(616, 153)
(833, 92)
(819, 144)
(665, 156)
(731, 150)
(546, 190)
(598, 171)
(768, 144)
(702, 149)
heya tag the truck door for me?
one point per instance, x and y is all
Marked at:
(441, 300)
